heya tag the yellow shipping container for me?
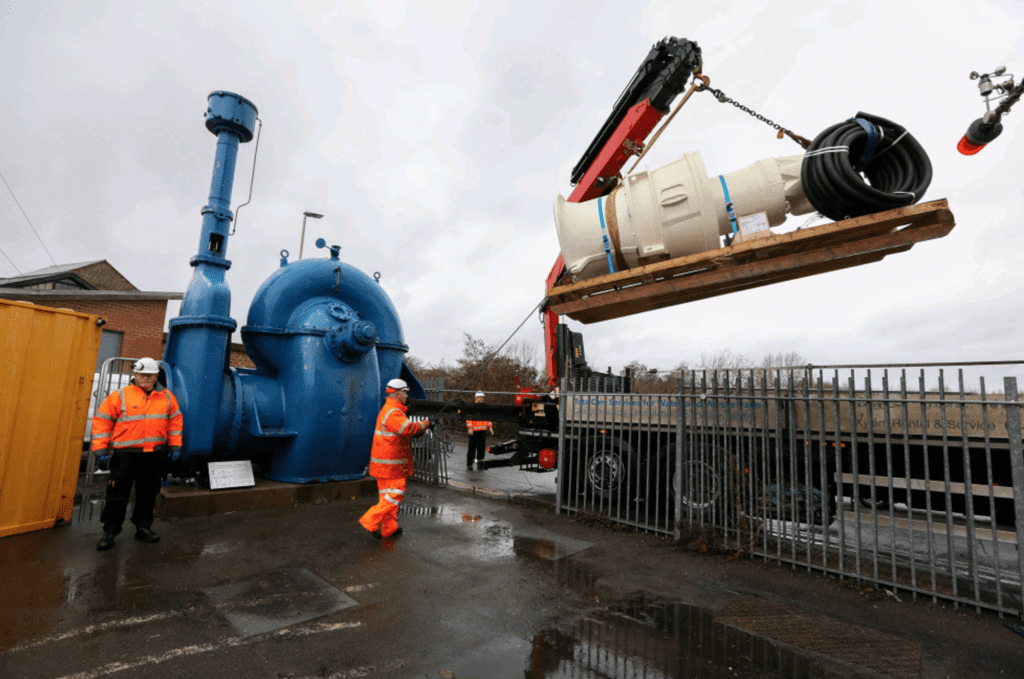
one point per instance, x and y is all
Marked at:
(47, 360)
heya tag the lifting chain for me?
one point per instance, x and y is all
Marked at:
(720, 96)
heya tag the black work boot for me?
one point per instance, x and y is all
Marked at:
(106, 542)
(146, 535)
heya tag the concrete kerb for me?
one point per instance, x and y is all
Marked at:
(524, 498)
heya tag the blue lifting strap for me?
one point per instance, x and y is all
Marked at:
(868, 152)
(729, 209)
(604, 237)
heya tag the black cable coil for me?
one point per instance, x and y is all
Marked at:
(835, 166)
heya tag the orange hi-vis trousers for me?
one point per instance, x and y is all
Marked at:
(384, 514)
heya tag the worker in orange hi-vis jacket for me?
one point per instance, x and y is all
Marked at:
(391, 460)
(139, 424)
(478, 430)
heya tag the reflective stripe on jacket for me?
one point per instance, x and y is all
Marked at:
(477, 425)
(391, 454)
(131, 418)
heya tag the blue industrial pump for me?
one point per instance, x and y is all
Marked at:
(324, 336)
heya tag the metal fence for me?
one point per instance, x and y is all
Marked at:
(431, 451)
(889, 476)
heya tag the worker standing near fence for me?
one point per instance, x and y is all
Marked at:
(478, 430)
(391, 460)
(137, 425)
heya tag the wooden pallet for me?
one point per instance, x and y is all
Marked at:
(751, 264)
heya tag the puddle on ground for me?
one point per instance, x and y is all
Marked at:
(546, 545)
(412, 509)
(447, 515)
(649, 638)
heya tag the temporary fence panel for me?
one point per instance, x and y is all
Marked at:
(48, 359)
(919, 489)
(430, 452)
(114, 373)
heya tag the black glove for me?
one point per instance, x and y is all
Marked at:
(175, 453)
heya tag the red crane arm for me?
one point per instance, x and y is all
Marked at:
(626, 141)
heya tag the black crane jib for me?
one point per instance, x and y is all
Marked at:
(662, 76)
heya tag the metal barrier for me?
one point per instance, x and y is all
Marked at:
(431, 451)
(918, 489)
(114, 373)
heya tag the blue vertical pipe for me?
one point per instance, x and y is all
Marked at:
(197, 343)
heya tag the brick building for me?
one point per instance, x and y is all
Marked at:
(135, 318)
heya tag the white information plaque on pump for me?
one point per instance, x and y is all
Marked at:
(234, 474)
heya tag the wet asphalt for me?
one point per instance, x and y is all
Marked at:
(486, 581)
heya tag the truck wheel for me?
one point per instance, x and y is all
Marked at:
(697, 485)
(606, 467)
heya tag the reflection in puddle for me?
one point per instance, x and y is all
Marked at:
(410, 509)
(658, 639)
(547, 545)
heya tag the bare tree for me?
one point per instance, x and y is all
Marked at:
(789, 367)
(789, 359)
(723, 359)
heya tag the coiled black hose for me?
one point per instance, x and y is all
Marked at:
(897, 168)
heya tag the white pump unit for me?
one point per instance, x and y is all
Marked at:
(672, 212)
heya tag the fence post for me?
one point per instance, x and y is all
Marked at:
(1013, 432)
(677, 475)
(560, 480)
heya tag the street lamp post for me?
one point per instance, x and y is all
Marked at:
(302, 239)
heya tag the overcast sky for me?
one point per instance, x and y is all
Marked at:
(435, 141)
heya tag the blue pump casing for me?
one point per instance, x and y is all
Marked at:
(324, 336)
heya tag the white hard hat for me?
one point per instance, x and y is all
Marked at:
(146, 366)
(397, 385)
(479, 394)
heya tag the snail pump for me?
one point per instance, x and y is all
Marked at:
(324, 337)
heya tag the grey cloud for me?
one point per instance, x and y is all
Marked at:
(536, 89)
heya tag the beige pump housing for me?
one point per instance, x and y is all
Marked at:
(672, 212)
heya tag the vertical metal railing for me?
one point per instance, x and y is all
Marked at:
(918, 490)
(1013, 428)
(431, 451)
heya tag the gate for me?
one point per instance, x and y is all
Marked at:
(878, 474)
